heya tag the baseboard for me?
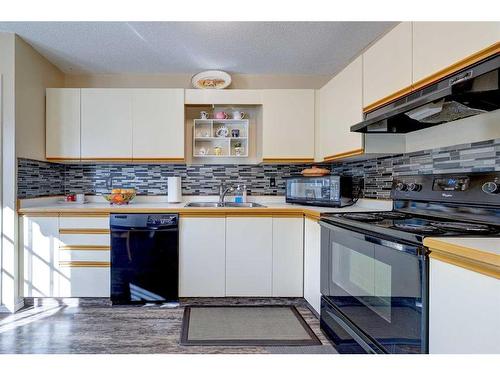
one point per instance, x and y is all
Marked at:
(17, 306)
(309, 306)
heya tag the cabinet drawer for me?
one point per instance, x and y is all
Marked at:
(101, 222)
(80, 280)
(84, 255)
(84, 239)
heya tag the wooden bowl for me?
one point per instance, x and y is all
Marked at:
(315, 171)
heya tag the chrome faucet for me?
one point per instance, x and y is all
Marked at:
(222, 193)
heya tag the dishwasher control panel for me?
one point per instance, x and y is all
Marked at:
(162, 219)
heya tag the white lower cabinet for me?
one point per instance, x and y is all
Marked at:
(74, 263)
(312, 256)
(249, 256)
(40, 244)
(464, 308)
(202, 257)
(288, 257)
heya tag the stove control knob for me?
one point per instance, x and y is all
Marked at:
(414, 187)
(491, 187)
(401, 186)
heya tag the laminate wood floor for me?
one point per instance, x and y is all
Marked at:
(94, 329)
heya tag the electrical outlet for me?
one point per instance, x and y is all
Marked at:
(272, 182)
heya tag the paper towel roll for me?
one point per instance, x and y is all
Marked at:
(174, 190)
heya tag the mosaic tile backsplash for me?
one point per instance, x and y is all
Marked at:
(37, 178)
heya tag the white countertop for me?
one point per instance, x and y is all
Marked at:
(157, 203)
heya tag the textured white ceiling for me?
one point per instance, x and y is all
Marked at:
(318, 48)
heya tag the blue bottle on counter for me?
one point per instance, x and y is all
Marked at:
(238, 194)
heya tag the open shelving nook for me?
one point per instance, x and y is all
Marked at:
(206, 138)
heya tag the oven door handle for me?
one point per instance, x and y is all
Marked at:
(392, 245)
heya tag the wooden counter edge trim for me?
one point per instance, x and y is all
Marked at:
(220, 212)
(356, 152)
(85, 247)
(313, 215)
(462, 252)
(440, 74)
(81, 263)
(468, 264)
(83, 231)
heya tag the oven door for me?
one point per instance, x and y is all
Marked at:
(377, 286)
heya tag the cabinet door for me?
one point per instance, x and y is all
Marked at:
(312, 256)
(158, 123)
(62, 133)
(202, 257)
(249, 257)
(106, 124)
(387, 65)
(288, 257)
(340, 107)
(464, 308)
(437, 45)
(288, 124)
(39, 241)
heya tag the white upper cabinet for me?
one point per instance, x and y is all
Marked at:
(340, 107)
(288, 124)
(387, 65)
(62, 124)
(196, 96)
(158, 123)
(106, 121)
(437, 45)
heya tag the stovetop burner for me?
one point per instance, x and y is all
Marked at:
(418, 228)
(362, 216)
(463, 227)
(393, 215)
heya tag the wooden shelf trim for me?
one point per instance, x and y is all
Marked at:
(440, 74)
(288, 160)
(83, 231)
(81, 263)
(85, 247)
(122, 160)
(342, 155)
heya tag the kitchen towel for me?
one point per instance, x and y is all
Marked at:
(174, 190)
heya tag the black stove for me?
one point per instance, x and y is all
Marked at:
(434, 205)
(374, 265)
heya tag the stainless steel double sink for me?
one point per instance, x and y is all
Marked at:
(224, 205)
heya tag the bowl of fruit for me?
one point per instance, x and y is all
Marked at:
(120, 196)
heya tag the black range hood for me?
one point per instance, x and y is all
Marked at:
(469, 92)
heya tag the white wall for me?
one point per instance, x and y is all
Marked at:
(33, 74)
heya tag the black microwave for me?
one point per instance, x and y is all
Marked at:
(331, 191)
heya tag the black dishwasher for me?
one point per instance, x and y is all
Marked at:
(144, 258)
